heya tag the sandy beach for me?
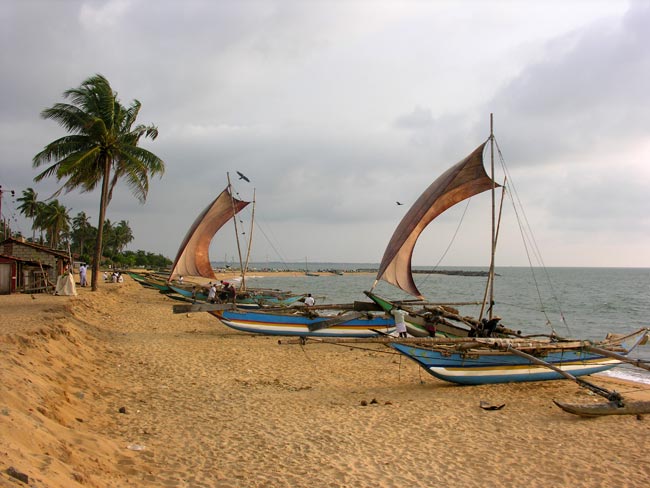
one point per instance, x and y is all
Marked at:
(111, 389)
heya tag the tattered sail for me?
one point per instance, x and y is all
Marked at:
(462, 181)
(192, 258)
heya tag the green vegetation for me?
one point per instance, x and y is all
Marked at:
(101, 147)
(57, 230)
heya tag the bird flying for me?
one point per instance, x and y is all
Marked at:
(399, 203)
(243, 177)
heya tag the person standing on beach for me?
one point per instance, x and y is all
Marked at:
(400, 324)
(82, 275)
(212, 293)
(232, 293)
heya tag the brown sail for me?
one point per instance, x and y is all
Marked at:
(192, 258)
(460, 182)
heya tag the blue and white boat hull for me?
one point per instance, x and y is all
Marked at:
(300, 325)
(486, 365)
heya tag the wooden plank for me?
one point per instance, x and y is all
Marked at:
(201, 307)
(324, 324)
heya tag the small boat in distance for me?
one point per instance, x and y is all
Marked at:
(307, 272)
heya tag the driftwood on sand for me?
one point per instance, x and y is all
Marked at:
(608, 408)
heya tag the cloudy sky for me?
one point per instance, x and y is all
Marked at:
(335, 110)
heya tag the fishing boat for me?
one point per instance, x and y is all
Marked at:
(249, 299)
(480, 350)
(460, 182)
(481, 361)
(309, 273)
(150, 281)
(307, 322)
(193, 260)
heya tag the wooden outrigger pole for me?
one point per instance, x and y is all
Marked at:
(612, 396)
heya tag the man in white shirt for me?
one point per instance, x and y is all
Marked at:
(212, 294)
(309, 301)
(400, 324)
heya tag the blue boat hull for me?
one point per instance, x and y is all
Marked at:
(481, 366)
(302, 326)
(503, 367)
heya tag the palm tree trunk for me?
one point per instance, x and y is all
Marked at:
(100, 225)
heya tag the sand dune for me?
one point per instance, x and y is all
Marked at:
(206, 406)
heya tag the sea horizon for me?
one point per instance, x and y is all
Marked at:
(351, 265)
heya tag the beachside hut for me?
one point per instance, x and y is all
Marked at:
(25, 266)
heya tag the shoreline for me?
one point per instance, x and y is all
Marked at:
(206, 406)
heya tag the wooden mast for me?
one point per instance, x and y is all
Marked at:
(250, 237)
(489, 291)
(234, 220)
(494, 229)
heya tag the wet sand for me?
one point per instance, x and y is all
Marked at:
(206, 406)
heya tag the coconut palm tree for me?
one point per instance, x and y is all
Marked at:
(81, 230)
(40, 220)
(123, 235)
(29, 207)
(54, 219)
(102, 147)
(108, 238)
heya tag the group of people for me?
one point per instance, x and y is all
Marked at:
(114, 277)
(224, 291)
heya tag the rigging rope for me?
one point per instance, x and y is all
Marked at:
(530, 244)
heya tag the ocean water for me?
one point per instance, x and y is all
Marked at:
(584, 303)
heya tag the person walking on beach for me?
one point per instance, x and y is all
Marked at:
(400, 324)
(82, 275)
(309, 300)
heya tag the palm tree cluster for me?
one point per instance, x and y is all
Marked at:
(100, 149)
(56, 229)
(51, 218)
